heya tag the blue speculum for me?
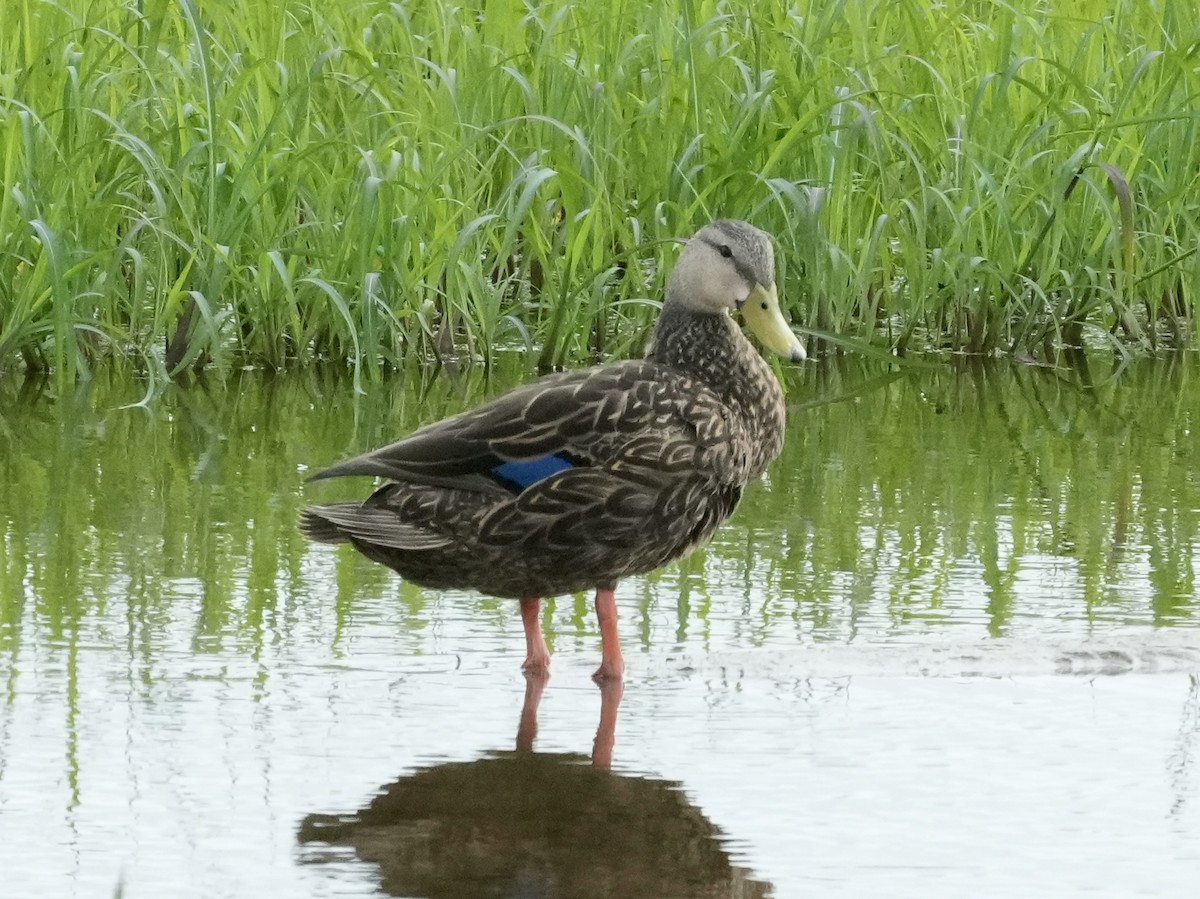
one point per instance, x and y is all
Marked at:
(528, 472)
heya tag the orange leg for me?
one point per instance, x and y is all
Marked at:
(537, 655)
(612, 665)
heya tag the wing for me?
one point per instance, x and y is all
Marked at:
(634, 415)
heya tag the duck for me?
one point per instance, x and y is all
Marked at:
(580, 479)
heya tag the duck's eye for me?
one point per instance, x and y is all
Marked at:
(724, 250)
(764, 305)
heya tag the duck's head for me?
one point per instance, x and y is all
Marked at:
(729, 265)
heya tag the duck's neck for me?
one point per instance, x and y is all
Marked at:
(701, 345)
(712, 349)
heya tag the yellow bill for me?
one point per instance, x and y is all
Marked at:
(766, 322)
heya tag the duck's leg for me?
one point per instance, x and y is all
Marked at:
(537, 655)
(612, 665)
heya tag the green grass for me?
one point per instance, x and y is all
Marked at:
(278, 182)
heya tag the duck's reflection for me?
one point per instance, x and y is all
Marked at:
(535, 824)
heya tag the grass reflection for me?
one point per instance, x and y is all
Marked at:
(999, 495)
(1053, 491)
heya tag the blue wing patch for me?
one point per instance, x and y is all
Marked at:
(529, 471)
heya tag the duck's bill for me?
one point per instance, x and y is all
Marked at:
(766, 322)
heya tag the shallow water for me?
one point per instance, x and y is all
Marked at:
(948, 648)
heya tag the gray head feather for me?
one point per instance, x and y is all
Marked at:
(720, 266)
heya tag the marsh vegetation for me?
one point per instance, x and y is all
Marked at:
(279, 182)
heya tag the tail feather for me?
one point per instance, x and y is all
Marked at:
(379, 526)
(317, 527)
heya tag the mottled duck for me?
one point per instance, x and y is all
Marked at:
(581, 478)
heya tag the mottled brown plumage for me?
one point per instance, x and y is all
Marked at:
(654, 453)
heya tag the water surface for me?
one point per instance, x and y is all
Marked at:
(948, 647)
